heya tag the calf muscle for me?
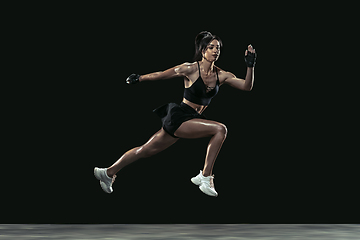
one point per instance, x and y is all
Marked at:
(157, 143)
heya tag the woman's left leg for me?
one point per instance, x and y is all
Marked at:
(199, 128)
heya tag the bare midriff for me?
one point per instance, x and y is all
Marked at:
(199, 108)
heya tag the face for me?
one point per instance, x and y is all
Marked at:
(212, 52)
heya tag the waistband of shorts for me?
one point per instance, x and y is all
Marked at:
(188, 108)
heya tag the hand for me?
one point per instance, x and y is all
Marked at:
(133, 78)
(250, 56)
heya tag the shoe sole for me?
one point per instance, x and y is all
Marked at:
(103, 187)
(195, 181)
(207, 193)
(95, 174)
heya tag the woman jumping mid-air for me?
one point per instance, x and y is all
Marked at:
(202, 80)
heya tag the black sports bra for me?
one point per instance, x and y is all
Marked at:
(199, 93)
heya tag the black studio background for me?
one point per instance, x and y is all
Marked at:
(81, 114)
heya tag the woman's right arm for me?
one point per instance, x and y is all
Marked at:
(178, 71)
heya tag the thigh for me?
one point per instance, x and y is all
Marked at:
(160, 141)
(198, 128)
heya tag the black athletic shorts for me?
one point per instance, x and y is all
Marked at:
(173, 115)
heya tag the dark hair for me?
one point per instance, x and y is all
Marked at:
(202, 40)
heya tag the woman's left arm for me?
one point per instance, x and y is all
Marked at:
(242, 84)
(247, 83)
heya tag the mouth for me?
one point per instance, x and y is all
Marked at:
(215, 56)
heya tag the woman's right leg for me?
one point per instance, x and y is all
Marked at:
(157, 143)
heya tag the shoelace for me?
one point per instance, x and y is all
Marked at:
(113, 179)
(212, 181)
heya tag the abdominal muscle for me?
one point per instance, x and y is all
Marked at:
(199, 108)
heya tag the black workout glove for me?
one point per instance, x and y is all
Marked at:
(133, 78)
(250, 59)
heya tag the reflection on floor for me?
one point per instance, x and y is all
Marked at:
(180, 231)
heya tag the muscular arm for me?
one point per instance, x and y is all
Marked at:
(247, 84)
(242, 84)
(178, 71)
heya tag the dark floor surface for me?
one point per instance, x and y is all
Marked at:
(180, 231)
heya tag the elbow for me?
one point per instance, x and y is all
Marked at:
(248, 89)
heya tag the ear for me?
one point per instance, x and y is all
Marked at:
(203, 52)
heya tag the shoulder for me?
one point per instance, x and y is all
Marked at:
(224, 75)
(191, 66)
(186, 68)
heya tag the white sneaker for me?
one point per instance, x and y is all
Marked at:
(206, 184)
(105, 181)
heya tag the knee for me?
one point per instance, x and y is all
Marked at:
(222, 130)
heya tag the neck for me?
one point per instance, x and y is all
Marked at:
(207, 65)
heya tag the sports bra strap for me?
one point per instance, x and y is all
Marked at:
(217, 76)
(199, 69)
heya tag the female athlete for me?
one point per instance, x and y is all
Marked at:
(202, 80)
